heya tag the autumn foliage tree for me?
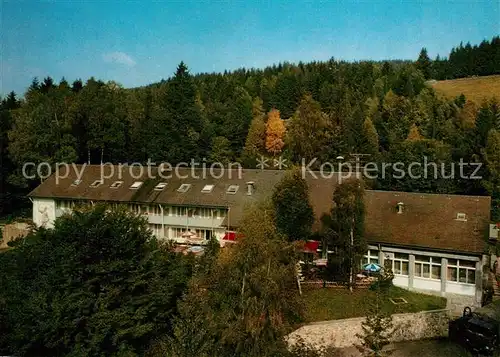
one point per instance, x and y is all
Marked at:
(275, 133)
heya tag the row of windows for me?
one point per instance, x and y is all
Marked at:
(460, 271)
(232, 189)
(201, 212)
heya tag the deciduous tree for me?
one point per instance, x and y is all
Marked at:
(275, 132)
(293, 212)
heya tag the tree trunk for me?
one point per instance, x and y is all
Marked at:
(351, 268)
(88, 153)
(102, 155)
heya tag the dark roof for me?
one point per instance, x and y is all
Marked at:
(264, 181)
(428, 220)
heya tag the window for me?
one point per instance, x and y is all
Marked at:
(461, 217)
(184, 187)
(116, 184)
(208, 188)
(427, 267)
(160, 186)
(371, 257)
(96, 183)
(461, 271)
(76, 182)
(400, 264)
(136, 185)
(232, 189)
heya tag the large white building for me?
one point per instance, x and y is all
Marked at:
(435, 243)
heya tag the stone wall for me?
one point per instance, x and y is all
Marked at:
(342, 333)
(12, 231)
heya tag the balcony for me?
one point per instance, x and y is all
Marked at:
(201, 222)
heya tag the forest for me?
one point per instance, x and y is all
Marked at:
(306, 110)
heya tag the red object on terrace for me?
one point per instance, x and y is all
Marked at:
(311, 246)
(230, 236)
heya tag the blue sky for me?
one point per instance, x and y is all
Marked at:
(136, 43)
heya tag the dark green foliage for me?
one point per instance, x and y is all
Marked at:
(465, 61)
(293, 212)
(209, 116)
(97, 284)
(344, 228)
(424, 64)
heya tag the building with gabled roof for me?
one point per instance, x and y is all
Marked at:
(432, 241)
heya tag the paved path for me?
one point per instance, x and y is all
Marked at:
(428, 348)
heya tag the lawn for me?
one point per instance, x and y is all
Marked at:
(331, 304)
(475, 89)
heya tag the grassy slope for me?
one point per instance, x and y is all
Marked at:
(476, 89)
(330, 304)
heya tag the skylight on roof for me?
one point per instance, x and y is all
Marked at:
(96, 183)
(184, 187)
(76, 182)
(232, 189)
(160, 186)
(208, 188)
(136, 185)
(461, 217)
(116, 184)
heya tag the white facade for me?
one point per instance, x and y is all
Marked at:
(427, 271)
(44, 212)
(165, 222)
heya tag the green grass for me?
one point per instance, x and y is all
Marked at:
(331, 304)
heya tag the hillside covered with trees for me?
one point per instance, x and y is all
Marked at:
(330, 108)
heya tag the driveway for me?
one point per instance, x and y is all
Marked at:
(427, 348)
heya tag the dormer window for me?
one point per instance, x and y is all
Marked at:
(116, 184)
(208, 188)
(184, 187)
(76, 183)
(136, 185)
(96, 183)
(160, 186)
(461, 217)
(232, 189)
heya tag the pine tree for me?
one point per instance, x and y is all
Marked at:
(424, 63)
(492, 184)
(275, 133)
(183, 122)
(377, 329)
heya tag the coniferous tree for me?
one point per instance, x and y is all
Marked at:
(424, 63)
(183, 121)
